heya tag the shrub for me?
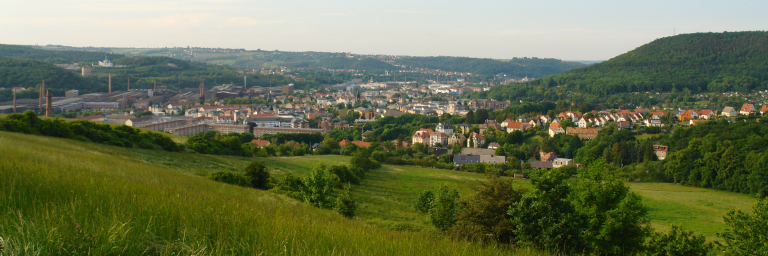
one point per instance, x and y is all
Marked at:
(485, 216)
(678, 242)
(345, 204)
(258, 174)
(747, 234)
(425, 201)
(230, 178)
(442, 212)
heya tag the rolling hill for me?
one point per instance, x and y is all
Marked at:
(516, 67)
(701, 62)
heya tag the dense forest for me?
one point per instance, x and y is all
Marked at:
(701, 62)
(516, 67)
(55, 57)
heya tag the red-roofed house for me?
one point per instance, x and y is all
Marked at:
(747, 109)
(661, 151)
(475, 140)
(555, 129)
(764, 109)
(516, 126)
(707, 114)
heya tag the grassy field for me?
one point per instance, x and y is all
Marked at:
(65, 197)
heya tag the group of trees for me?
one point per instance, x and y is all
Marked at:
(123, 136)
(515, 67)
(721, 155)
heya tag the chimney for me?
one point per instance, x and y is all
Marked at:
(40, 100)
(49, 106)
(110, 83)
(14, 100)
(155, 90)
(129, 84)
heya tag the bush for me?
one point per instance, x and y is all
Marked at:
(747, 234)
(678, 242)
(230, 178)
(345, 204)
(425, 201)
(258, 174)
(442, 211)
(484, 216)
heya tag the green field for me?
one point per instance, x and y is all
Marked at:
(143, 198)
(66, 197)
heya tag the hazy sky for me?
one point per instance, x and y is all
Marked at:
(570, 30)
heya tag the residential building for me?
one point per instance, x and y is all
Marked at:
(560, 162)
(583, 133)
(478, 151)
(729, 112)
(764, 109)
(444, 128)
(555, 129)
(260, 143)
(517, 126)
(654, 121)
(660, 151)
(475, 140)
(493, 145)
(438, 138)
(456, 138)
(422, 136)
(582, 123)
(747, 109)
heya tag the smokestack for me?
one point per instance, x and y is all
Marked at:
(49, 106)
(14, 101)
(154, 91)
(40, 100)
(110, 83)
(129, 83)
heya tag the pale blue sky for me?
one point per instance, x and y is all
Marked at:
(570, 30)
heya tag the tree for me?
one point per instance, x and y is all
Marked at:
(677, 242)
(470, 117)
(424, 203)
(317, 187)
(485, 215)
(258, 174)
(230, 178)
(544, 218)
(345, 204)
(746, 233)
(363, 161)
(442, 212)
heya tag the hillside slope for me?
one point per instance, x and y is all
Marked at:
(66, 197)
(516, 67)
(701, 62)
(55, 57)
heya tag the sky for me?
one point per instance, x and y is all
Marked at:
(568, 30)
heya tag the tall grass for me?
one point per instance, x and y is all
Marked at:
(64, 197)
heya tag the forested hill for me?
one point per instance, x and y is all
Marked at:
(516, 67)
(701, 62)
(367, 64)
(55, 57)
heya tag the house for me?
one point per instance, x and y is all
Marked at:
(506, 122)
(444, 128)
(706, 114)
(660, 151)
(548, 156)
(421, 136)
(729, 112)
(475, 140)
(747, 109)
(624, 125)
(440, 151)
(96, 118)
(582, 123)
(555, 129)
(517, 126)
(541, 164)
(654, 121)
(560, 162)
(456, 138)
(763, 109)
(260, 143)
(356, 142)
(490, 124)
(688, 115)
(465, 128)
(438, 138)
(493, 145)
(460, 160)
(583, 133)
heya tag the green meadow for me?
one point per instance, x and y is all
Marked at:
(59, 194)
(65, 197)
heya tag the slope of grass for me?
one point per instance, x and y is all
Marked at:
(65, 197)
(697, 209)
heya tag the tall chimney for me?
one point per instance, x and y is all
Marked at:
(49, 106)
(129, 83)
(110, 83)
(154, 91)
(40, 100)
(14, 101)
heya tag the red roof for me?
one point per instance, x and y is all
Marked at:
(747, 107)
(260, 143)
(262, 115)
(764, 108)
